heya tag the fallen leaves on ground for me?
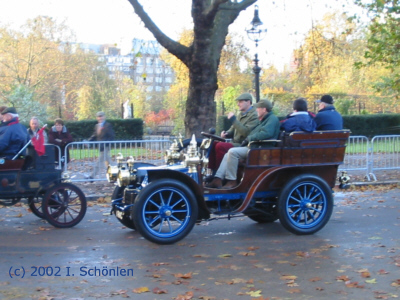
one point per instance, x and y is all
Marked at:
(184, 276)
(141, 290)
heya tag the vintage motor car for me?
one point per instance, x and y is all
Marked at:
(49, 194)
(292, 182)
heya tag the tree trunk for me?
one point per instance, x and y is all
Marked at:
(211, 19)
(200, 110)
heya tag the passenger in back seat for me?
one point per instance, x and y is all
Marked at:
(268, 129)
(300, 119)
(327, 117)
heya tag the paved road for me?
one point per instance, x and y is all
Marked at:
(356, 256)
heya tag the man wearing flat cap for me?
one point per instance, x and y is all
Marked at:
(103, 131)
(13, 135)
(242, 124)
(268, 129)
(327, 117)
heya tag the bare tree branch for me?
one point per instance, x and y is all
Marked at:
(172, 46)
(210, 13)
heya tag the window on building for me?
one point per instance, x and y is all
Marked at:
(149, 61)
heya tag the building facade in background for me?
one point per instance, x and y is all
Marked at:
(143, 66)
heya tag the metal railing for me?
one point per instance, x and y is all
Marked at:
(357, 156)
(381, 153)
(85, 156)
(385, 154)
(362, 154)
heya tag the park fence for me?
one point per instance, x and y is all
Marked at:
(382, 152)
(362, 155)
(84, 156)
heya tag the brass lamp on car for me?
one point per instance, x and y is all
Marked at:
(192, 157)
(126, 176)
(112, 171)
(172, 155)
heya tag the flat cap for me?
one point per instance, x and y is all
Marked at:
(245, 96)
(9, 110)
(265, 103)
(100, 114)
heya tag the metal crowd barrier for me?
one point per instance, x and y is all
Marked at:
(385, 154)
(362, 154)
(84, 156)
(357, 157)
(381, 153)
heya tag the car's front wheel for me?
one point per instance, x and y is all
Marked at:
(165, 211)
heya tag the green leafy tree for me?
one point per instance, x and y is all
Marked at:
(383, 42)
(97, 95)
(21, 97)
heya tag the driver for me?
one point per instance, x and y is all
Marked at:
(268, 129)
(242, 124)
(13, 135)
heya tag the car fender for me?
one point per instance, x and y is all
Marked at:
(197, 189)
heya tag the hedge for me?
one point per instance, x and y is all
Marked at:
(125, 129)
(132, 129)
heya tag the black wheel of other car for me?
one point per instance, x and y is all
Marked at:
(64, 205)
(305, 204)
(123, 217)
(165, 211)
(262, 218)
(35, 204)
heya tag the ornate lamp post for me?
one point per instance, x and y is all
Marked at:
(256, 33)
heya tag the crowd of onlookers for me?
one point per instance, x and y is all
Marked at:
(14, 136)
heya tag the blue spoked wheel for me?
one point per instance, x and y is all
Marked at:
(305, 204)
(165, 211)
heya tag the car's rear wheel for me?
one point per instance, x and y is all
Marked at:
(165, 211)
(305, 204)
(64, 205)
(35, 205)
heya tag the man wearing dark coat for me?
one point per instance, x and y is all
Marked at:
(103, 131)
(13, 135)
(300, 119)
(327, 117)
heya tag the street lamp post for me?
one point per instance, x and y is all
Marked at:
(256, 33)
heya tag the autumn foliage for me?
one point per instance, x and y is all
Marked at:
(154, 119)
